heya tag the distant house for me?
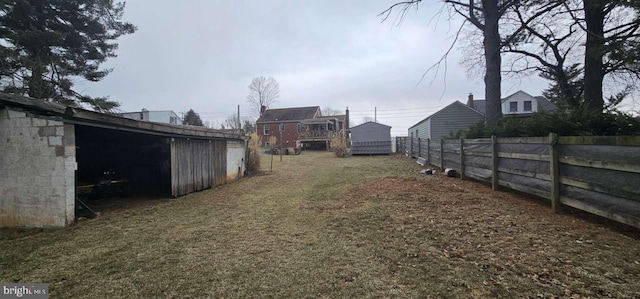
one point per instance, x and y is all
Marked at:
(168, 116)
(458, 116)
(455, 117)
(301, 127)
(518, 104)
(371, 138)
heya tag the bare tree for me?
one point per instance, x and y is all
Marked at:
(263, 92)
(367, 119)
(231, 122)
(328, 111)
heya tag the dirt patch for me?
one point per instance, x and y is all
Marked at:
(515, 241)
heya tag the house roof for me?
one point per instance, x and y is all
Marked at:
(370, 123)
(456, 103)
(288, 114)
(324, 119)
(480, 106)
(543, 103)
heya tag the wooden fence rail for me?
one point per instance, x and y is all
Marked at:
(600, 175)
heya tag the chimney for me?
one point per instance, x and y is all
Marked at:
(346, 121)
(470, 100)
(262, 109)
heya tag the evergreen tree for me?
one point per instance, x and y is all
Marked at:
(44, 44)
(192, 118)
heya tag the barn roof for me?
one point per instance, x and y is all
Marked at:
(289, 114)
(76, 115)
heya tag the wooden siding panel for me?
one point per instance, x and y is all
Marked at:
(197, 165)
(452, 119)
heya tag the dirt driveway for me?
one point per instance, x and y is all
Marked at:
(320, 226)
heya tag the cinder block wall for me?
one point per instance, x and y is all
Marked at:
(37, 164)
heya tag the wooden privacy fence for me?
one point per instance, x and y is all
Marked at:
(600, 175)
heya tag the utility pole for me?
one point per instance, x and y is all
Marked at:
(375, 114)
(239, 123)
(281, 129)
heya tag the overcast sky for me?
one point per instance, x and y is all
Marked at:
(202, 55)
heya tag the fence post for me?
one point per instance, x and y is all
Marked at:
(442, 154)
(428, 151)
(419, 148)
(494, 163)
(461, 158)
(411, 147)
(553, 171)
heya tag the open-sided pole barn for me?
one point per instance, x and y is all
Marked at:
(47, 150)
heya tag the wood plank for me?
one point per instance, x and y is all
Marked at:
(478, 165)
(525, 189)
(478, 141)
(494, 163)
(601, 140)
(610, 165)
(520, 172)
(519, 156)
(461, 158)
(477, 177)
(442, 150)
(523, 140)
(554, 172)
(478, 154)
(595, 187)
(613, 215)
(174, 169)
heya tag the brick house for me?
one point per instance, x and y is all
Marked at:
(301, 127)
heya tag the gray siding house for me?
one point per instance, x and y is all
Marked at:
(371, 138)
(455, 117)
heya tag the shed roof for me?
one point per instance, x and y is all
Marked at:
(450, 106)
(369, 123)
(289, 114)
(75, 115)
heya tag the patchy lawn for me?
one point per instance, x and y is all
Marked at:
(320, 226)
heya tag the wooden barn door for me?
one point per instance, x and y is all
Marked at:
(197, 165)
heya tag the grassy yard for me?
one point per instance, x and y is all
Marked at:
(321, 226)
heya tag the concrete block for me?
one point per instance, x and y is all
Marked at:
(39, 122)
(15, 114)
(59, 131)
(69, 151)
(21, 122)
(47, 131)
(55, 140)
(69, 138)
(58, 180)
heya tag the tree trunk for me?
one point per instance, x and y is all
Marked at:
(492, 77)
(594, 52)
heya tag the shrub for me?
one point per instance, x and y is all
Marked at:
(253, 162)
(572, 123)
(339, 146)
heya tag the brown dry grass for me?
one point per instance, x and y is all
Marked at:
(321, 226)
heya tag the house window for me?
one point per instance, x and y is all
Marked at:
(527, 106)
(513, 106)
(299, 127)
(266, 129)
(281, 127)
(417, 134)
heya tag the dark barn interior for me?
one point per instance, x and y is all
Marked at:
(118, 163)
